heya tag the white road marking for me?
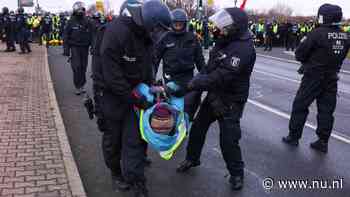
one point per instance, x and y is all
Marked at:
(335, 134)
(290, 61)
(289, 79)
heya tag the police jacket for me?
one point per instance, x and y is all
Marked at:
(78, 32)
(97, 72)
(180, 54)
(46, 24)
(21, 24)
(323, 50)
(127, 58)
(229, 69)
(9, 25)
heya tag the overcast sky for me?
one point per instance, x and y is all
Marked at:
(300, 7)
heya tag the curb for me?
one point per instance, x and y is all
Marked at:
(72, 172)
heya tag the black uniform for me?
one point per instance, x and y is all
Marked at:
(180, 54)
(10, 31)
(97, 75)
(45, 29)
(23, 33)
(321, 53)
(126, 61)
(292, 35)
(227, 80)
(78, 36)
(268, 36)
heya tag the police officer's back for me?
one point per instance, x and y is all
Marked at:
(321, 53)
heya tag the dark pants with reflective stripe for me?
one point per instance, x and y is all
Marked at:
(230, 134)
(79, 63)
(324, 91)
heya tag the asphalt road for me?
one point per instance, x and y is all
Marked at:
(265, 121)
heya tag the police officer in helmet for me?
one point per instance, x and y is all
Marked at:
(9, 25)
(127, 61)
(23, 31)
(78, 37)
(227, 80)
(321, 53)
(181, 52)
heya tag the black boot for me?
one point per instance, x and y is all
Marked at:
(186, 165)
(320, 145)
(290, 140)
(119, 184)
(139, 189)
(236, 182)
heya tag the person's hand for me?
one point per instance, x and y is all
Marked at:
(139, 100)
(218, 107)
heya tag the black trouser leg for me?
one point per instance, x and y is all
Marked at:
(79, 65)
(199, 131)
(26, 45)
(309, 89)
(230, 134)
(192, 102)
(134, 149)
(326, 104)
(112, 145)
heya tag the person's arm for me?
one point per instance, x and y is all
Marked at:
(199, 58)
(305, 48)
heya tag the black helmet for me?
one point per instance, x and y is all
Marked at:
(132, 8)
(20, 10)
(5, 10)
(329, 14)
(149, 14)
(155, 14)
(179, 16)
(232, 22)
(79, 8)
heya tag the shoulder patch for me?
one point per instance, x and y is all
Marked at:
(235, 61)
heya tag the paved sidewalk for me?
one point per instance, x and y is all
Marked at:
(35, 156)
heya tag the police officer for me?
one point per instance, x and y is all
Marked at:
(97, 21)
(321, 53)
(78, 36)
(9, 25)
(45, 29)
(227, 80)
(23, 31)
(181, 51)
(292, 35)
(127, 61)
(268, 36)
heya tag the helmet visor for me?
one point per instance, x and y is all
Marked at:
(221, 19)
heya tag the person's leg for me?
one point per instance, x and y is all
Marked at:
(326, 104)
(230, 134)
(192, 102)
(75, 63)
(133, 152)
(84, 56)
(309, 89)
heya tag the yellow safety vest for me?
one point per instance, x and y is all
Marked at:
(261, 28)
(275, 29)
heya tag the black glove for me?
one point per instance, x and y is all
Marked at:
(89, 105)
(139, 100)
(218, 107)
(301, 70)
